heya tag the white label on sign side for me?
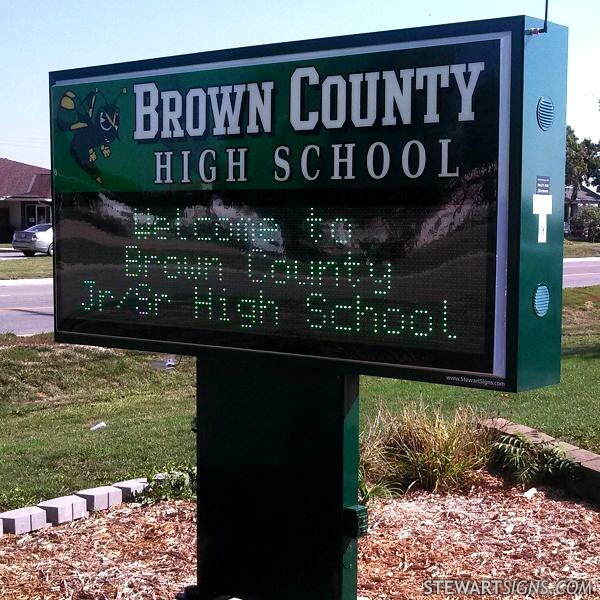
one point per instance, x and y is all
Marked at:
(542, 207)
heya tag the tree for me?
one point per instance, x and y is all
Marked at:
(586, 223)
(582, 163)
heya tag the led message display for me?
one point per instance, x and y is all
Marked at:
(347, 204)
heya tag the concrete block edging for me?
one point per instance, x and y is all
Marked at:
(64, 509)
(24, 520)
(69, 508)
(101, 498)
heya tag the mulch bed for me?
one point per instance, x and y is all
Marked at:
(128, 552)
(490, 532)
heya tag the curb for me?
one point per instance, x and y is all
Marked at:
(15, 282)
(587, 484)
(582, 259)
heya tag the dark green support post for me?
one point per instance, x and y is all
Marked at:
(351, 526)
(277, 480)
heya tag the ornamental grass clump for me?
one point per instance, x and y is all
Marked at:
(421, 448)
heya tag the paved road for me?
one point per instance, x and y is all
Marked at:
(26, 305)
(10, 254)
(580, 272)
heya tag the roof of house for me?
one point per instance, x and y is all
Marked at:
(585, 194)
(22, 180)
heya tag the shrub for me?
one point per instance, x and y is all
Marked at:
(529, 463)
(586, 223)
(174, 484)
(421, 448)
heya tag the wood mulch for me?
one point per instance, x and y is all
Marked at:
(128, 552)
(491, 532)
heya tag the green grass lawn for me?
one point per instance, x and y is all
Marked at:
(51, 394)
(27, 268)
(580, 249)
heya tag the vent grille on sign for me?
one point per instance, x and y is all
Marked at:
(541, 300)
(545, 113)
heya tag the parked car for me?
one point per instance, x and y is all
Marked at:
(39, 238)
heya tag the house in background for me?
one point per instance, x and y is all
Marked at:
(25, 197)
(586, 196)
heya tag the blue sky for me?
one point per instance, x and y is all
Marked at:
(38, 36)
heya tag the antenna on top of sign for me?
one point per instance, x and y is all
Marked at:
(544, 29)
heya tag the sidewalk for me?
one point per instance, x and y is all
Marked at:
(37, 281)
(586, 259)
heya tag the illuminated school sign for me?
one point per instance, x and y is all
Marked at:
(352, 200)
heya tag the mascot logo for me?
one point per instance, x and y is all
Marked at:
(93, 127)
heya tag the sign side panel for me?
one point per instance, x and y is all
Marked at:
(542, 200)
